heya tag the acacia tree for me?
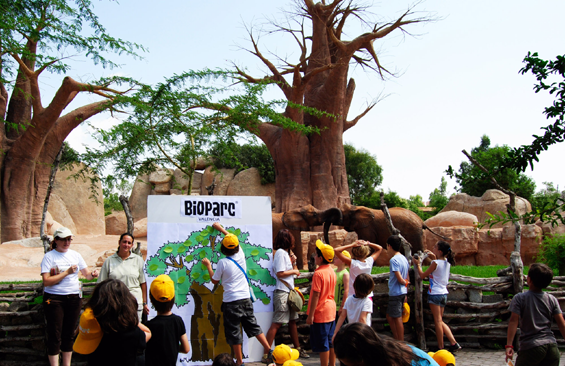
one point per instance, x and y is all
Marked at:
(37, 37)
(310, 169)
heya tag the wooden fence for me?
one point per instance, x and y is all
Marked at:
(476, 311)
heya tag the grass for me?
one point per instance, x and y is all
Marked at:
(472, 271)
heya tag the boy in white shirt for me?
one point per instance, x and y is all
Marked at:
(358, 307)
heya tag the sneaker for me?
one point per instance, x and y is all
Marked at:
(302, 353)
(454, 348)
(267, 357)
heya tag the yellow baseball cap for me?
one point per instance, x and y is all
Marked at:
(443, 357)
(89, 335)
(405, 313)
(230, 241)
(283, 353)
(327, 250)
(163, 288)
(292, 363)
(346, 253)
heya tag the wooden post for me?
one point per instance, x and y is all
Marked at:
(419, 311)
(54, 168)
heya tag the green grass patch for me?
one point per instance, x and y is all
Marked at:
(472, 271)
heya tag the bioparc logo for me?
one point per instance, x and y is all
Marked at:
(211, 208)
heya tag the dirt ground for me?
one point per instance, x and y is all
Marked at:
(21, 263)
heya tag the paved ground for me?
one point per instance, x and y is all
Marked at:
(465, 357)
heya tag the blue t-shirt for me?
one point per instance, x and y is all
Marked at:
(427, 360)
(398, 263)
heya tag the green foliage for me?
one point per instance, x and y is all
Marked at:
(112, 190)
(392, 199)
(62, 28)
(414, 204)
(185, 259)
(552, 253)
(520, 158)
(363, 174)
(438, 198)
(233, 156)
(179, 120)
(475, 182)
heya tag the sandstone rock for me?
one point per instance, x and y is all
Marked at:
(105, 256)
(161, 175)
(180, 181)
(464, 242)
(451, 218)
(549, 230)
(457, 295)
(116, 223)
(177, 192)
(48, 222)
(54, 228)
(492, 201)
(196, 182)
(138, 198)
(60, 213)
(87, 214)
(223, 179)
(155, 193)
(496, 245)
(163, 188)
(140, 228)
(34, 242)
(248, 183)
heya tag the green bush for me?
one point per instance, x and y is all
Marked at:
(552, 253)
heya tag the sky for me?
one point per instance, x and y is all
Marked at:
(456, 77)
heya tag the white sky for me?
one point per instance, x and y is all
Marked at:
(457, 77)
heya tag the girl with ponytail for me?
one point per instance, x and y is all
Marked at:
(438, 272)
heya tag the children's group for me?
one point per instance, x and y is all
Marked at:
(339, 311)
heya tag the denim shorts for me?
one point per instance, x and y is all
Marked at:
(321, 336)
(395, 304)
(439, 300)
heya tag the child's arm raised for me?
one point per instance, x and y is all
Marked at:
(208, 265)
(220, 228)
(377, 250)
(184, 344)
(431, 268)
(343, 258)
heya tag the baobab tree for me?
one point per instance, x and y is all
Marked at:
(35, 38)
(310, 169)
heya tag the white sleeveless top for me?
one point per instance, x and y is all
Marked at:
(439, 278)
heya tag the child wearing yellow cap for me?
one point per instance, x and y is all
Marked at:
(237, 307)
(283, 353)
(321, 307)
(167, 329)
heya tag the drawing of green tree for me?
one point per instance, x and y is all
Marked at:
(185, 258)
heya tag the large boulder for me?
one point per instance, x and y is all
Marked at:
(550, 230)
(60, 213)
(161, 175)
(140, 228)
(491, 201)
(180, 182)
(86, 212)
(464, 241)
(248, 183)
(116, 223)
(223, 178)
(138, 198)
(451, 218)
(496, 245)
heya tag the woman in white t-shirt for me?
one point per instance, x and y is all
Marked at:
(284, 267)
(62, 295)
(361, 262)
(438, 272)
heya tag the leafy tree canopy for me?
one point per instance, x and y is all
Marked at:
(363, 174)
(438, 197)
(181, 119)
(475, 182)
(233, 156)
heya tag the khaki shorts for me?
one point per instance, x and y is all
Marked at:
(282, 313)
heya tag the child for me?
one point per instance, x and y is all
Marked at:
(284, 266)
(359, 344)
(358, 307)
(123, 338)
(283, 353)
(342, 282)
(236, 306)
(438, 272)
(397, 286)
(223, 359)
(167, 329)
(321, 307)
(534, 310)
(362, 262)
(443, 357)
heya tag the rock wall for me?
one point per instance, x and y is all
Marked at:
(491, 201)
(71, 204)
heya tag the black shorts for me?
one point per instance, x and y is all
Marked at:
(236, 313)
